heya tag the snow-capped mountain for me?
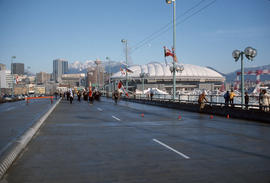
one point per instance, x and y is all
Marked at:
(77, 66)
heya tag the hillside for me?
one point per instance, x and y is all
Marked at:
(230, 77)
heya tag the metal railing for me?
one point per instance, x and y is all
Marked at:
(215, 100)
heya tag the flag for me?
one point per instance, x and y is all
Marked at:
(167, 52)
(120, 85)
(174, 56)
(122, 71)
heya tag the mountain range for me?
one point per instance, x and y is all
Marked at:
(230, 77)
(79, 67)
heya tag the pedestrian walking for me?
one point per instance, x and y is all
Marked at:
(246, 100)
(232, 95)
(227, 98)
(151, 94)
(265, 100)
(90, 94)
(79, 96)
(201, 101)
(260, 99)
(70, 96)
(115, 96)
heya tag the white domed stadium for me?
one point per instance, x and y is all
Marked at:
(158, 75)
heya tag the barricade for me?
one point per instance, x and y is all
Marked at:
(29, 98)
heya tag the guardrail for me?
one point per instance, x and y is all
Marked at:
(29, 98)
(213, 100)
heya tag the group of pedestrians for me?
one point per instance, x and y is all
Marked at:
(87, 95)
(229, 98)
(264, 100)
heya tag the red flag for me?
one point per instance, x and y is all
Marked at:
(122, 71)
(167, 52)
(120, 85)
(90, 91)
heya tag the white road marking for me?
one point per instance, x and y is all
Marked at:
(99, 109)
(10, 108)
(181, 154)
(116, 118)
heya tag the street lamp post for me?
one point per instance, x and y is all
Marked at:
(98, 62)
(107, 58)
(143, 75)
(13, 57)
(174, 44)
(126, 44)
(250, 53)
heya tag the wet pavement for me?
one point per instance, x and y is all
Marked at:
(17, 117)
(131, 142)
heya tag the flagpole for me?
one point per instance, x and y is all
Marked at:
(126, 44)
(174, 49)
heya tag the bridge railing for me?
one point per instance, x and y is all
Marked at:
(217, 100)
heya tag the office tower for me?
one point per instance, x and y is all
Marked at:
(60, 67)
(5, 79)
(17, 68)
(43, 77)
(2, 67)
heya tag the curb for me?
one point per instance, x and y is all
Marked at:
(12, 152)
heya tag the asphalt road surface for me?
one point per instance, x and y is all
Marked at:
(17, 117)
(127, 142)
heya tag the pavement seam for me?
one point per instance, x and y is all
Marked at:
(11, 153)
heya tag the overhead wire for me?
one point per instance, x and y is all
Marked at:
(168, 28)
(168, 24)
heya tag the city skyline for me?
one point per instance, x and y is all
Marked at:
(39, 32)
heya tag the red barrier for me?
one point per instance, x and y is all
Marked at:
(29, 98)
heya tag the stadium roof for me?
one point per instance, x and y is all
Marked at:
(160, 70)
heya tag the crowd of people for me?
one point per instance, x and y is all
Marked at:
(264, 100)
(86, 95)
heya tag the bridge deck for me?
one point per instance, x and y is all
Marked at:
(105, 142)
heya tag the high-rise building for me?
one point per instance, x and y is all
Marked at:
(5, 79)
(60, 67)
(17, 68)
(2, 67)
(43, 77)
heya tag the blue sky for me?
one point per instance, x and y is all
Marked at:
(38, 31)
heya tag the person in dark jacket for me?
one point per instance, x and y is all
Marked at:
(246, 100)
(227, 98)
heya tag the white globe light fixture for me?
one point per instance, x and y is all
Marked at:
(250, 54)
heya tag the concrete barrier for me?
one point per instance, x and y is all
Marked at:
(15, 148)
(234, 112)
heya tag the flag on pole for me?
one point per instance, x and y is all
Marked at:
(90, 90)
(122, 71)
(167, 52)
(174, 56)
(120, 86)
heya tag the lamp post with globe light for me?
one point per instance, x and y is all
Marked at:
(174, 44)
(108, 58)
(124, 41)
(250, 53)
(143, 75)
(176, 68)
(13, 57)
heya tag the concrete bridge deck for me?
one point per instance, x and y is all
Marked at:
(105, 142)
